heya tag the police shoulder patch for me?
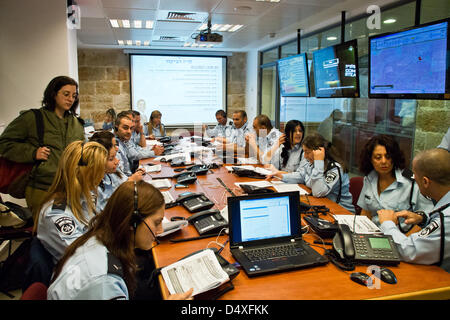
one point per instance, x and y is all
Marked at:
(330, 176)
(433, 226)
(65, 225)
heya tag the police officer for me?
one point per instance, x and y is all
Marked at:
(223, 127)
(101, 265)
(263, 137)
(129, 152)
(321, 172)
(445, 143)
(430, 245)
(386, 184)
(66, 212)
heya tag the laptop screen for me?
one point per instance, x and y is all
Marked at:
(262, 217)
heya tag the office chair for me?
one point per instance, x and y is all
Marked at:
(356, 184)
(37, 291)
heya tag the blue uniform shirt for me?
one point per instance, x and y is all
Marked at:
(238, 135)
(395, 197)
(106, 188)
(85, 276)
(323, 184)
(423, 247)
(129, 152)
(221, 130)
(58, 228)
(295, 156)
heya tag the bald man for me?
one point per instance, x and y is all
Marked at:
(432, 244)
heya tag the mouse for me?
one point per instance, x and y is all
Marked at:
(387, 276)
(361, 278)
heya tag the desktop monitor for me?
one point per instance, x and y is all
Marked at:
(293, 76)
(411, 64)
(336, 73)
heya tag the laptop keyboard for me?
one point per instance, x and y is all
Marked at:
(283, 251)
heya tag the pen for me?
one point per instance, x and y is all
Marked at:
(223, 246)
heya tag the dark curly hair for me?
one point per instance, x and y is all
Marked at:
(392, 149)
(289, 130)
(52, 89)
(315, 141)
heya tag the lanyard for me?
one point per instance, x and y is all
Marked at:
(441, 217)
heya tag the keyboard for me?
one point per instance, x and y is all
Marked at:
(261, 254)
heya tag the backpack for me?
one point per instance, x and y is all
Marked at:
(14, 176)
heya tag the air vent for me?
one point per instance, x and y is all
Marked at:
(181, 16)
(169, 38)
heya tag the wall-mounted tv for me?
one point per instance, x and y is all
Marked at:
(336, 73)
(293, 76)
(411, 64)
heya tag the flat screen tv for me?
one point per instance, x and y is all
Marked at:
(411, 64)
(293, 76)
(336, 73)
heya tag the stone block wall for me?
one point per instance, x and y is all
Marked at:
(432, 122)
(104, 80)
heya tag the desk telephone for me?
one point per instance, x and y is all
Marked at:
(365, 248)
(208, 221)
(194, 202)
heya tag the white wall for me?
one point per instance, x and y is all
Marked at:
(251, 94)
(35, 47)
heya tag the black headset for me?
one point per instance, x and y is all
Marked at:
(82, 163)
(137, 218)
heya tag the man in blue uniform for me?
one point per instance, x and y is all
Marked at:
(432, 244)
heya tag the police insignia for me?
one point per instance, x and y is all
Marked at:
(433, 226)
(330, 177)
(65, 225)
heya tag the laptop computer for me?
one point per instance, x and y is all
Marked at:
(265, 234)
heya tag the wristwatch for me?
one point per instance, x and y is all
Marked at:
(424, 218)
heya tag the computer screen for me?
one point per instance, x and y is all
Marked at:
(293, 76)
(412, 63)
(336, 73)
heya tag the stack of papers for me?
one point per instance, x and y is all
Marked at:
(287, 187)
(160, 183)
(149, 169)
(171, 226)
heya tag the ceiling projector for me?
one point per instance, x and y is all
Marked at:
(208, 37)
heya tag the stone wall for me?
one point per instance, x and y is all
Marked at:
(432, 122)
(104, 79)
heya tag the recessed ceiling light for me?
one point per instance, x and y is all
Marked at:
(137, 24)
(126, 23)
(114, 23)
(138, 42)
(331, 38)
(120, 42)
(129, 42)
(225, 27)
(146, 42)
(149, 24)
(235, 28)
(389, 21)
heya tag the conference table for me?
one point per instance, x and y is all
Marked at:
(317, 283)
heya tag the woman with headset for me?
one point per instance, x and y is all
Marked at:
(287, 153)
(387, 185)
(69, 205)
(322, 172)
(103, 259)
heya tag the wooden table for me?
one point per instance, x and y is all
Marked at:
(324, 282)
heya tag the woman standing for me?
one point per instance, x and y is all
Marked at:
(20, 143)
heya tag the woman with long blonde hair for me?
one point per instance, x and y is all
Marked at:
(65, 213)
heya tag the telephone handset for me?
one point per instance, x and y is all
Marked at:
(208, 221)
(343, 243)
(194, 202)
(365, 248)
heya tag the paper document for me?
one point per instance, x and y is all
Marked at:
(171, 226)
(149, 169)
(160, 183)
(200, 271)
(362, 223)
(259, 184)
(287, 187)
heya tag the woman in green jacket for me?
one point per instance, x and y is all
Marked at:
(19, 142)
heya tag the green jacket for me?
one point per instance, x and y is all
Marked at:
(19, 142)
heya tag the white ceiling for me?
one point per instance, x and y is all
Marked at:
(263, 21)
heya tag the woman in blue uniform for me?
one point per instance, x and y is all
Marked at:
(287, 153)
(113, 176)
(66, 211)
(101, 264)
(321, 172)
(385, 186)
